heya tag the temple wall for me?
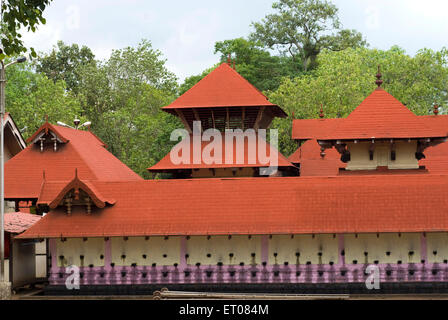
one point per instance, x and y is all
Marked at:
(229, 251)
(360, 158)
(255, 259)
(302, 249)
(159, 250)
(69, 252)
(437, 244)
(384, 248)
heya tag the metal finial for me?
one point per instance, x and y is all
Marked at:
(436, 109)
(379, 82)
(229, 61)
(322, 115)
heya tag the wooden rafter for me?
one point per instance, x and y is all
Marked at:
(196, 117)
(213, 119)
(184, 121)
(259, 117)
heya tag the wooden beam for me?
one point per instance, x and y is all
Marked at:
(242, 117)
(196, 116)
(227, 118)
(184, 121)
(259, 117)
(213, 119)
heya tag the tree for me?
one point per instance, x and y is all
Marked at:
(256, 64)
(344, 79)
(17, 14)
(64, 63)
(30, 97)
(253, 62)
(303, 28)
(122, 97)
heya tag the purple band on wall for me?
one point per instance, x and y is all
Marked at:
(118, 275)
(183, 252)
(107, 253)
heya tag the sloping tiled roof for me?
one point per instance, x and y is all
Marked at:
(306, 129)
(249, 145)
(381, 116)
(83, 151)
(312, 164)
(306, 205)
(17, 222)
(98, 199)
(223, 87)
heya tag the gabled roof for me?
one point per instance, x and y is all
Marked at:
(312, 164)
(306, 129)
(223, 87)
(381, 116)
(18, 222)
(307, 205)
(53, 200)
(45, 129)
(10, 123)
(249, 144)
(83, 151)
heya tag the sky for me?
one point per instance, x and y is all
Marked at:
(186, 31)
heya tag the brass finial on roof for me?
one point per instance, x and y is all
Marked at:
(378, 81)
(322, 115)
(436, 109)
(229, 61)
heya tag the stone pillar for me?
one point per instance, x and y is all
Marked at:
(5, 290)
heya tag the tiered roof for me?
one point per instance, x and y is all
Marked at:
(249, 145)
(381, 116)
(81, 150)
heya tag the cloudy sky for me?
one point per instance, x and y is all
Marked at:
(186, 31)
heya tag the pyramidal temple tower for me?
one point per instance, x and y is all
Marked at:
(226, 102)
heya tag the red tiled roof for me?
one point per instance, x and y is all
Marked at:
(312, 164)
(249, 144)
(83, 151)
(48, 127)
(54, 199)
(306, 129)
(381, 116)
(223, 87)
(17, 222)
(345, 204)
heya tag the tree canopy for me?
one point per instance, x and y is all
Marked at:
(17, 14)
(303, 28)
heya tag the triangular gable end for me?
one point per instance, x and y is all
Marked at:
(79, 193)
(47, 133)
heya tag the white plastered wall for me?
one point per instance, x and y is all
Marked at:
(404, 151)
(437, 247)
(159, 250)
(220, 247)
(308, 246)
(398, 246)
(73, 249)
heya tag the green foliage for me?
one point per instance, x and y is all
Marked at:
(17, 14)
(344, 79)
(302, 29)
(256, 64)
(122, 97)
(64, 63)
(31, 96)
